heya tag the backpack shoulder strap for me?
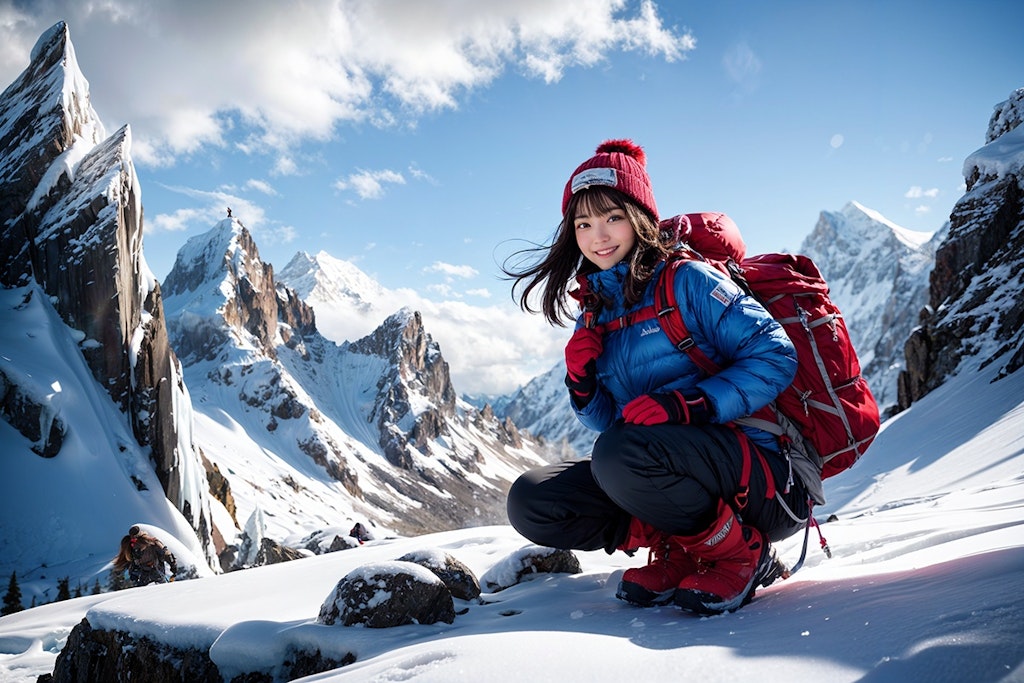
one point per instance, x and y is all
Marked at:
(670, 318)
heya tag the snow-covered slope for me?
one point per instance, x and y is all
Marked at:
(926, 583)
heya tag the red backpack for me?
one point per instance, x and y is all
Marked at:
(827, 417)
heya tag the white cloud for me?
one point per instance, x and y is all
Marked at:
(917, 192)
(261, 186)
(213, 207)
(443, 290)
(369, 184)
(452, 270)
(278, 73)
(178, 221)
(419, 174)
(285, 166)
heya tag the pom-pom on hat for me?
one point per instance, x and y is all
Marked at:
(620, 164)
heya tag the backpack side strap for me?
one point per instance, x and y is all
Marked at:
(666, 307)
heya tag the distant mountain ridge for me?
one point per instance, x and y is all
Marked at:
(878, 276)
(370, 429)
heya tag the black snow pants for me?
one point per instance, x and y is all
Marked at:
(669, 476)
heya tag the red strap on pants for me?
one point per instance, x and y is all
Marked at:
(743, 494)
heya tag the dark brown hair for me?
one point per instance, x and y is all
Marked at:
(124, 554)
(562, 261)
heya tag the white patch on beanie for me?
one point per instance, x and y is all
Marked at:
(595, 176)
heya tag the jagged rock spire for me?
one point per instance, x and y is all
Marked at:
(71, 221)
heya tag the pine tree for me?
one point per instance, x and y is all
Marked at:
(63, 589)
(117, 581)
(12, 598)
(96, 588)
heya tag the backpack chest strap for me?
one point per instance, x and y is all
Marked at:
(632, 318)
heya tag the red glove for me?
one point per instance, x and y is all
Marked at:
(585, 345)
(673, 407)
(581, 355)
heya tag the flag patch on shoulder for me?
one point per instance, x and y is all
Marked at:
(724, 293)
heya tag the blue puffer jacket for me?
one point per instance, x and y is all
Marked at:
(733, 329)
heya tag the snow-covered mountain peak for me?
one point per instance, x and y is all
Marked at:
(325, 276)
(348, 302)
(52, 95)
(867, 223)
(205, 258)
(219, 289)
(71, 228)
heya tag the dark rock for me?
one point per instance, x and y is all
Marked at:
(459, 579)
(388, 594)
(99, 656)
(526, 562)
(30, 417)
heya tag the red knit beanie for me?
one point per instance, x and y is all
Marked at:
(620, 164)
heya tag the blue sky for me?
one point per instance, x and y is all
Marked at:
(426, 141)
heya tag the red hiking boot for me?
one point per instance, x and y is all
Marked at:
(667, 564)
(732, 560)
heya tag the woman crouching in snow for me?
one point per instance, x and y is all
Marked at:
(668, 471)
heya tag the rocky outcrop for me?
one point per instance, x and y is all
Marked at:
(456, 576)
(34, 419)
(975, 312)
(526, 562)
(100, 656)
(415, 366)
(71, 221)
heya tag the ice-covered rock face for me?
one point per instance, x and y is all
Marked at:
(975, 313)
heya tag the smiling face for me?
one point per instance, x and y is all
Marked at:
(604, 233)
